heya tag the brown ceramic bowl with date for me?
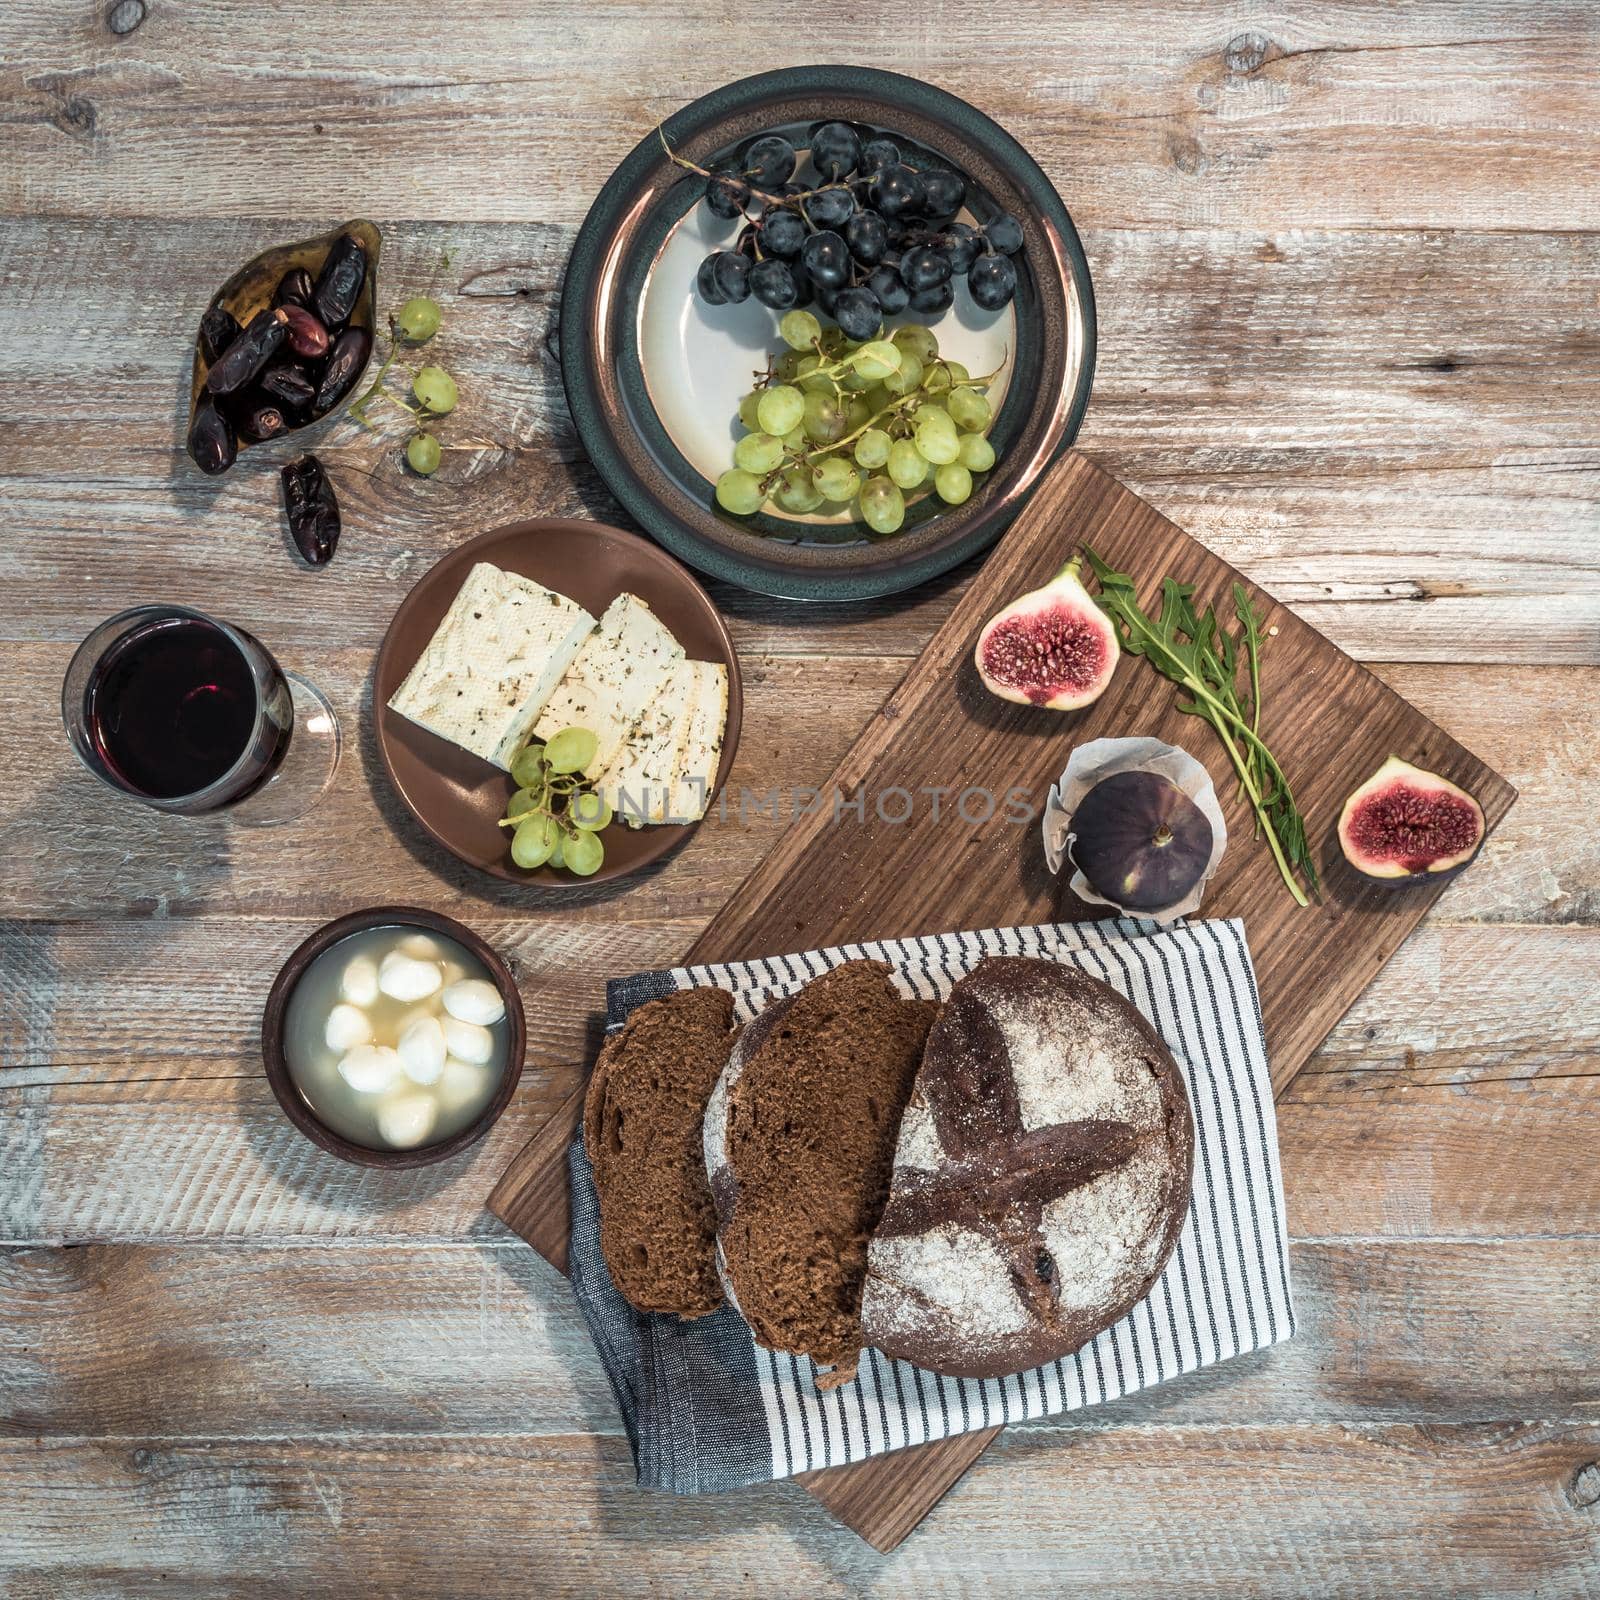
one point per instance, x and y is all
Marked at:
(294, 1104)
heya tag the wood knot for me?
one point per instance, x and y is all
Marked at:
(123, 16)
(1184, 152)
(74, 115)
(141, 1459)
(1244, 52)
(1584, 1489)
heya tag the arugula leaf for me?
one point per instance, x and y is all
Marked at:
(1197, 653)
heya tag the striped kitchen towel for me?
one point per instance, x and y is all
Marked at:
(707, 1408)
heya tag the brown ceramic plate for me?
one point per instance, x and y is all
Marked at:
(277, 1065)
(460, 799)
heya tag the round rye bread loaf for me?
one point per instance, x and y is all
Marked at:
(800, 1137)
(1041, 1177)
(641, 1131)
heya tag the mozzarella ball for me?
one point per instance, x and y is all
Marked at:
(464, 1084)
(405, 1119)
(473, 1000)
(403, 977)
(466, 1041)
(370, 1068)
(421, 947)
(346, 1027)
(421, 1050)
(359, 982)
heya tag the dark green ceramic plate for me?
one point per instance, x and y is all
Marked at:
(653, 375)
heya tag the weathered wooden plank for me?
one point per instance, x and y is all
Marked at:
(1472, 115)
(1507, 1003)
(72, 851)
(107, 1001)
(211, 1155)
(360, 845)
(216, 1342)
(1409, 469)
(1493, 1508)
(197, 1148)
(1485, 1160)
(198, 1151)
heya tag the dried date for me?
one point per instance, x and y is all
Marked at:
(291, 387)
(306, 336)
(213, 445)
(312, 510)
(260, 420)
(248, 353)
(218, 329)
(295, 288)
(339, 283)
(346, 361)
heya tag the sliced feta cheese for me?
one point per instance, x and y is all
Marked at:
(613, 677)
(492, 663)
(638, 782)
(701, 754)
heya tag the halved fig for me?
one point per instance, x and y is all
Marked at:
(1052, 647)
(1404, 824)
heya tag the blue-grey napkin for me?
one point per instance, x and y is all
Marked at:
(707, 1408)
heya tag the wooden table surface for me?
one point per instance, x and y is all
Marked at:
(1348, 277)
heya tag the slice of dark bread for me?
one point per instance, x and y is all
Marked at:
(800, 1138)
(1042, 1176)
(641, 1129)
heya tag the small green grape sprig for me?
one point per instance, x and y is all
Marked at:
(556, 815)
(434, 391)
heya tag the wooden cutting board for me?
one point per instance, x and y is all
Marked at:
(829, 881)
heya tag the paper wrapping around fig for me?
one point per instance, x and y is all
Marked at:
(1102, 758)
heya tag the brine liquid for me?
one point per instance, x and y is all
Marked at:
(171, 707)
(314, 1068)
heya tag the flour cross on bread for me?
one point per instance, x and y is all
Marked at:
(998, 1175)
(1041, 1174)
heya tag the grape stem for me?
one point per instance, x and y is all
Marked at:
(893, 409)
(794, 202)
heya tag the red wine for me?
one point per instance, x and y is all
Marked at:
(171, 707)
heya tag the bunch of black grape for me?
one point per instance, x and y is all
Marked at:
(876, 236)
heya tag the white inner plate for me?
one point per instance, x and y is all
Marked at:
(699, 361)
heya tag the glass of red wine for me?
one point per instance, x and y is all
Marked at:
(190, 715)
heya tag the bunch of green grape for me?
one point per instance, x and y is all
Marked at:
(833, 421)
(556, 816)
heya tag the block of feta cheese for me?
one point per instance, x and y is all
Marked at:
(493, 662)
(639, 781)
(701, 754)
(617, 673)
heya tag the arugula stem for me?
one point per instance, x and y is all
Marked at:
(1192, 650)
(1218, 713)
(1240, 766)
